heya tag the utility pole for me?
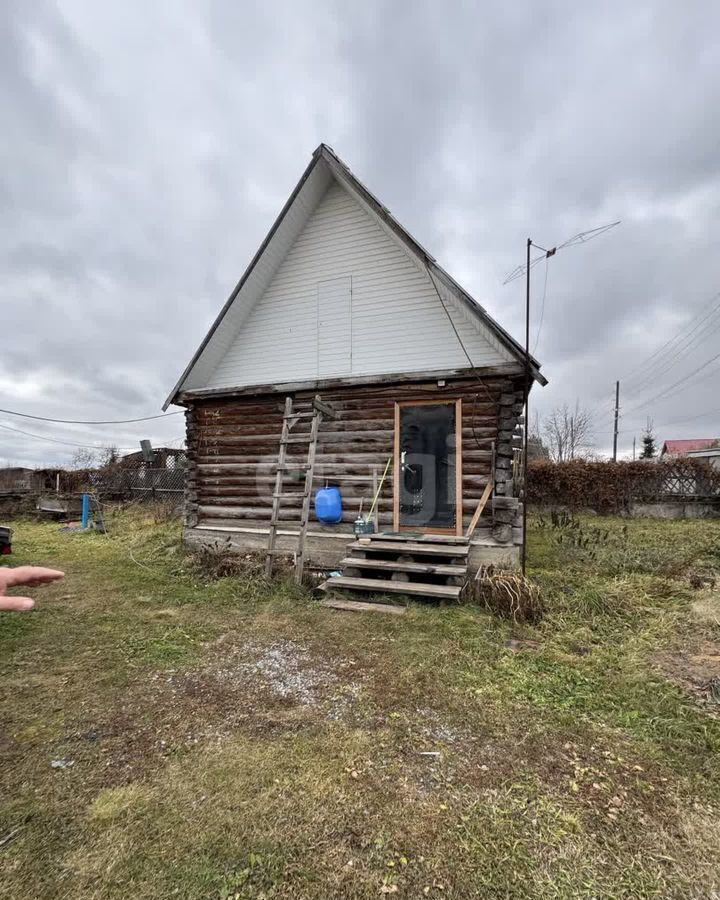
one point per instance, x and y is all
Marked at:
(633, 448)
(617, 412)
(523, 549)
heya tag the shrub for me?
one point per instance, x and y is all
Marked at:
(612, 487)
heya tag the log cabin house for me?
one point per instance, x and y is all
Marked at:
(345, 334)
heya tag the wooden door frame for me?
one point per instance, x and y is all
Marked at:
(446, 401)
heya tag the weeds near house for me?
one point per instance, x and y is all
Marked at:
(620, 546)
(220, 560)
(507, 594)
(577, 540)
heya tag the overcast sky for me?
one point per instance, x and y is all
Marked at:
(147, 147)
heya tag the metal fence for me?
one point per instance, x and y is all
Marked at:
(116, 482)
(143, 481)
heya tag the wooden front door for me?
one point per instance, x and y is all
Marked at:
(428, 466)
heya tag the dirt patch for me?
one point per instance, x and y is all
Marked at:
(706, 609)
(262, 689)
(284, 668)
(696, 671)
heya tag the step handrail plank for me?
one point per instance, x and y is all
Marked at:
(479, 511)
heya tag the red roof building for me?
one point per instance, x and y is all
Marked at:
(680, 448)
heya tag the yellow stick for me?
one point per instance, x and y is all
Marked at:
(377, 493)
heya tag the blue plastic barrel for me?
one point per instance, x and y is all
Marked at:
(328, 506)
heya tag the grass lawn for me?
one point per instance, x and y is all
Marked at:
(230, 739)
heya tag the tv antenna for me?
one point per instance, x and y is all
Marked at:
(530, 262)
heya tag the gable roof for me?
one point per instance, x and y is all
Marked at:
(678, 448)
(325, 166)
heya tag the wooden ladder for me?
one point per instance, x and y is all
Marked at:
(290, 418)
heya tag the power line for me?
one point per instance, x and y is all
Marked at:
(704, 415)
(676, 384)
(41, 437)
(11, 412)
(684, 343)
(480, 382)
(450, 319)
(655, 353)
(629, 428)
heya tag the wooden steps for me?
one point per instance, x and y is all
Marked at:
(413, 565)
(411, 547)
(386, 586)
(415, 537)
(401, 566)
(362, 606)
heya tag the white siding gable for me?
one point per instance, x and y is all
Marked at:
(334, 319)
(348, 299)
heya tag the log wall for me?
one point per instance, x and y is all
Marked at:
(233, 447)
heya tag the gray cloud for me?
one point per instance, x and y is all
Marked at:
(147, 149)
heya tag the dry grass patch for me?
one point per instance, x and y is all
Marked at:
(230, 738)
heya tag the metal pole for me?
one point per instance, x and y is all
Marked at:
(617, 410)
(85, 510)
(523, 552)
(376, 527)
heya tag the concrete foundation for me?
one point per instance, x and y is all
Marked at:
(325, 550)
(678, 509)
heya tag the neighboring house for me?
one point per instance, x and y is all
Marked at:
(341, 302)
(710, 455)
(15, 478)
(689, 482)
(686, 447)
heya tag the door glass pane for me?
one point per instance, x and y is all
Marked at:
(427, 465)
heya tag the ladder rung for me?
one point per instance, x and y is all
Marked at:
(300, 415)
(297, 439)
(292, 494)
(286, 467)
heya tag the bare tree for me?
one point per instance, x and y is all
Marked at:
(108, 456)
(89, 458)
(84, 458)
(537, 448)
(568, 432)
